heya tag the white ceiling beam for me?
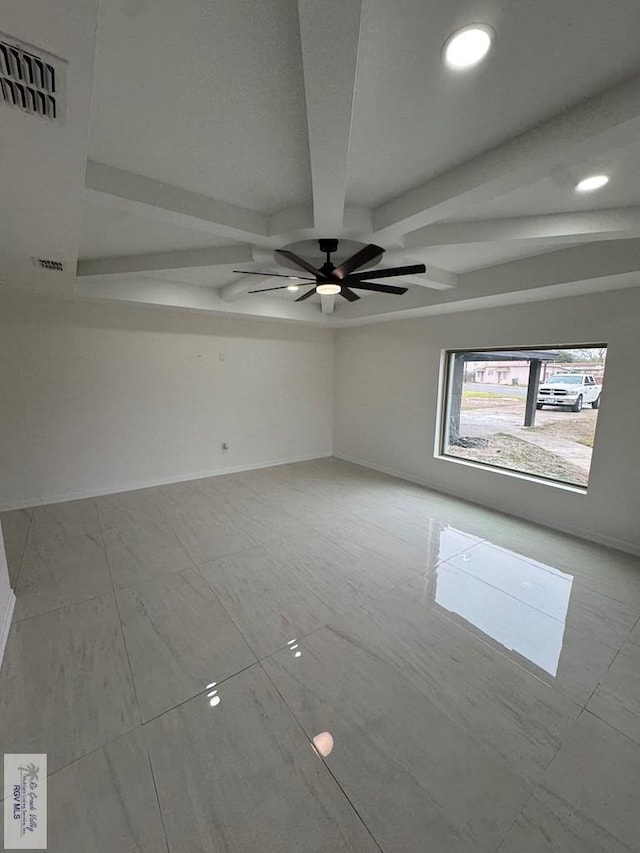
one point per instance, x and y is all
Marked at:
(588, 268)
(612, 223)
(175, 260)
(609, 120)
(142, 196)
(291, 220)
(195, 298)
(587, 262)
(434, 278)
(242, 286)
(329, 33)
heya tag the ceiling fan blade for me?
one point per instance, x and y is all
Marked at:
(364, 256)
(275, 275)
(379, 288)
(300, 262)
(349, 294)
(306, 295)
(415, 269)
(267, 289)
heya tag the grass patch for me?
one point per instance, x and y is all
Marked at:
(515, 454)
(485, 395)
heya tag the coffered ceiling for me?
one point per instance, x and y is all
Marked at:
(200, 136)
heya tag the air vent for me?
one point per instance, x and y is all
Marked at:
(49, 265)
(31, 80)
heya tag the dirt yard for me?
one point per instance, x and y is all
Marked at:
(558, 446)
(581, 429)
(508, 451)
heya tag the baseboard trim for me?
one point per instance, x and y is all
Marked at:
(5, 623)
(579, 533)
(115, 488)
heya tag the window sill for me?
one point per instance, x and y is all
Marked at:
(518, 475)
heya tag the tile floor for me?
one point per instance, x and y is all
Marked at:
(480, 676)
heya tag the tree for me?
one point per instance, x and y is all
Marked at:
(591, 354)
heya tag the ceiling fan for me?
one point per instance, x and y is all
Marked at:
(331, 280)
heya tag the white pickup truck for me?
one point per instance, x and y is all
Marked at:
(569, 389)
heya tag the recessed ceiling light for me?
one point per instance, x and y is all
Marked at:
(594, 182)
(328, 289)
(468, 46)
(293, 287)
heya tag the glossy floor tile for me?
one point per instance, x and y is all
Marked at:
(266, 598)
(352, 530)
(65, 684)
(565, 596)
(205, 531)
(178, 638)
(587, 800)
(242, 776)
(616, 700)
(410, 770)
(139, 542)
(476, 684)
(176, 649)
(64, 560)
(59, 570)
(106, 801)
(565, 633)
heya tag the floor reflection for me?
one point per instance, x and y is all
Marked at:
(517, 602)
(293, 647)
(212, 696)
(323, 743)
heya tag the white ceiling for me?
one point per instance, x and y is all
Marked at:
(220, 131)
(204, 96)
(414, 119)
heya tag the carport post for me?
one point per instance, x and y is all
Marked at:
(455, 397)
(532, 392)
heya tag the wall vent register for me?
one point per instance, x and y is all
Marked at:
(49, 265)
(31, 80)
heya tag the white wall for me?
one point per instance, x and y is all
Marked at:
(386, 395)
(100, 397)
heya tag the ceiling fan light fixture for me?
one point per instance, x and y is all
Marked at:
(328, 289)
(468, 46)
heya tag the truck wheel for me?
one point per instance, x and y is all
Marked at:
(577, 406)
(538, 405)
(596, 403)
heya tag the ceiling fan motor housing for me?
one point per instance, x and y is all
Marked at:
(328, 245)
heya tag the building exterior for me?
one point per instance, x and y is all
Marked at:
(498, 372)
(517, 372)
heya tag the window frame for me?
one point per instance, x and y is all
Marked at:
(446, 376)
